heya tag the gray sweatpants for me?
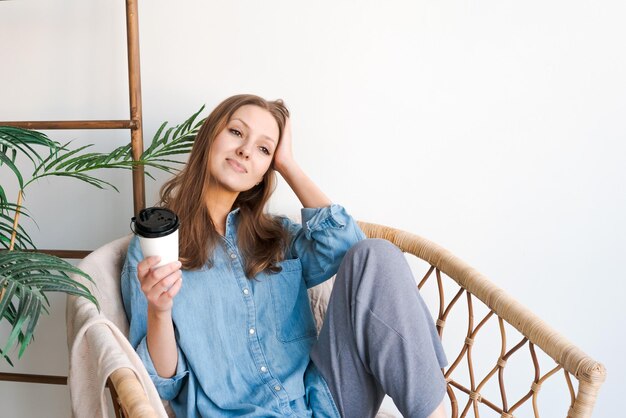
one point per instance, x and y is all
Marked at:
(378, 337)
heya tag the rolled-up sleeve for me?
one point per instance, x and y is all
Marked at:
(136, 308)
(168, 388)
(321, 241)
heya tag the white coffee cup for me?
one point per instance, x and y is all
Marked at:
(157, 229)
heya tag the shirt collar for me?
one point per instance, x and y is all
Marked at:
(231, 222)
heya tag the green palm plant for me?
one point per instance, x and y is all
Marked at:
(26, 276)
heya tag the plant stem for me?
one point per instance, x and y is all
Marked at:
(15, 219)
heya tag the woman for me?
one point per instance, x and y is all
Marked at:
(228, 330)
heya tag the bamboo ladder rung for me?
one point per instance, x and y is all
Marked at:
(74, 124)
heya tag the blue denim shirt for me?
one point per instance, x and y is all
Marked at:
(243, 345)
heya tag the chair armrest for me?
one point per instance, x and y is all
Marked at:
(130, 394)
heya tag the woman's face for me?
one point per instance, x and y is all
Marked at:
(242, 152)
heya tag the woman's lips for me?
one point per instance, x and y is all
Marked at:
(236, 166)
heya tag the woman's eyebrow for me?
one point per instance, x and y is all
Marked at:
(248, 128)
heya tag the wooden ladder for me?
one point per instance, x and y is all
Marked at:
(134, 124)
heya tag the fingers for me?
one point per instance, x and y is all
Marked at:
(160, 284)
(149, 275)
(173, 289)
(163, 285)
(161, 294)
(287, 129)
(146, 264)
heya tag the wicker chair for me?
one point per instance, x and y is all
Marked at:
(444, 275)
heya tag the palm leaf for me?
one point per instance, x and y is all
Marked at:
(24, 313)
(32, 323)
(4, 202)
(8, 161)
(174, 140)
(63, 161)
(25, 277)
(20, 139)
(23, 240)
(8, 206)
(94, 181)
(71, 163)
(64, 153)
(3, 198)
(6, 301)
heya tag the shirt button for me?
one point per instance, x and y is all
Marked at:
(246, 291)
(263, 369)
(233, 255)
(251, 331)
(276, 388)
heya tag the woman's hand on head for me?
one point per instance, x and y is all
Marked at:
(308, 193)
(283, 157)
(159, 284)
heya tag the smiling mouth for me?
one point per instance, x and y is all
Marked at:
(236, 166)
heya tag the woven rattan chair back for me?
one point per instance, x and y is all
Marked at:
(458, 285)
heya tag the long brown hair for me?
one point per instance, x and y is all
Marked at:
(262, 238)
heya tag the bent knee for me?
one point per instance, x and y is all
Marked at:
(378, 247)
(381, 264)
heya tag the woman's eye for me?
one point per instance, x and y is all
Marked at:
(235, 132)
(264, 150)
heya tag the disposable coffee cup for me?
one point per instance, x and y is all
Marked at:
(157, 229)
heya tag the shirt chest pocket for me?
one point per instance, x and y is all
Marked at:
(292, 311)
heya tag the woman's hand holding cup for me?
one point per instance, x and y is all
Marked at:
(159, 272)
(159, 284)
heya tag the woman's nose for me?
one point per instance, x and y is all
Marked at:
(243, 152)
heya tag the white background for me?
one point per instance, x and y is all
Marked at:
(495, 128)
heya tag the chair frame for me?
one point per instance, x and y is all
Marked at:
(130, 400)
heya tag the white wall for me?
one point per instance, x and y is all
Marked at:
(493, 128)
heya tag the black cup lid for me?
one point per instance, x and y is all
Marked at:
(155, 222)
